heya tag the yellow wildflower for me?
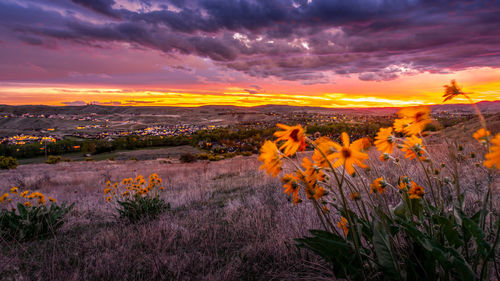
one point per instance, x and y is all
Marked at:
(378, 186)
(272, 160)
(416, 191)
(291, 187)
(312, 173)
(14, 190)
(451, 91)
(412, 120)
(4, 197)
(294, 138)
(355, 196)
(413, 148)
(108, 198)
(481, 135)
(27, 204)
(343, 225)
(324, 146)
(51, 199)
(24, 193)
(403, 182)
(493, 156)
(384, 141)
(348, 154)
(107, 190)
(384, 157)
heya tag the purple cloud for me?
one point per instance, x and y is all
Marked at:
(294, 40)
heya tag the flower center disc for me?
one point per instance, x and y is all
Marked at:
(294, 134)
(346, 152)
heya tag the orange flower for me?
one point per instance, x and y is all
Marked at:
(271, 158)
(294, 138)
(451, 91)
(312, 173)
(384, 156)
(412, 120)
(291, 187)
(384, 141)
(493, 156)
(403, 182)
(325, 145)
(481, 135)
(355, 196)
(343, 225)
(378, 186)
(53, 200)
(348, 154)
(413, 148)
(27, 204)
(4, 197)
(14, 190)
(416, 191)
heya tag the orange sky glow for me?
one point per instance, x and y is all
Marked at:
(424, 88)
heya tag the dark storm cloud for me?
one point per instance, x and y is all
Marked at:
(100, 6)
(289, 39)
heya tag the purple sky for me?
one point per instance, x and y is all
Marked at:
(171, 44)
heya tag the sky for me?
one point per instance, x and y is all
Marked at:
(330, 53)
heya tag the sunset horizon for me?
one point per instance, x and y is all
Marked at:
(247, 53)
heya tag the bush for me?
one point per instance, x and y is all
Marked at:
(246, 153)
(7, 162)
(27, 221)
(53, 159)
(136, 199)
(187, 158)
(139, 208)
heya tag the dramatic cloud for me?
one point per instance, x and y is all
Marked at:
(292, 40)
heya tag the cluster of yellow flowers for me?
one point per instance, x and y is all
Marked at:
(26, 197)
(312, 174)
(134, 188)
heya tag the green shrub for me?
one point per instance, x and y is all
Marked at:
(203, 156)
(246, 153)
(139, 208)
(53, 159)
(7, 162)
(187, 158)
(137, 199)
(27, 222)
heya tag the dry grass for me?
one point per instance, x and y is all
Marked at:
(228, 222)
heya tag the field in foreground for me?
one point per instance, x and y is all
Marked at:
(228, 221)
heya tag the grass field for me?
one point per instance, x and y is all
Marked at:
(170, 153)
(228, 221)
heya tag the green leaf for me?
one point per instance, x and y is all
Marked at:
(384, 253)
(22, 210)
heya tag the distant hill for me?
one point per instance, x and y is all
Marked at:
(485, 106)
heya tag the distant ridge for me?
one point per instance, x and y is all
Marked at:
(484, 106)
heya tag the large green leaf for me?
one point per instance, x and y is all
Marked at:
(384, 253)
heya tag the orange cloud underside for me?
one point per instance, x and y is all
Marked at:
(426, 88)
